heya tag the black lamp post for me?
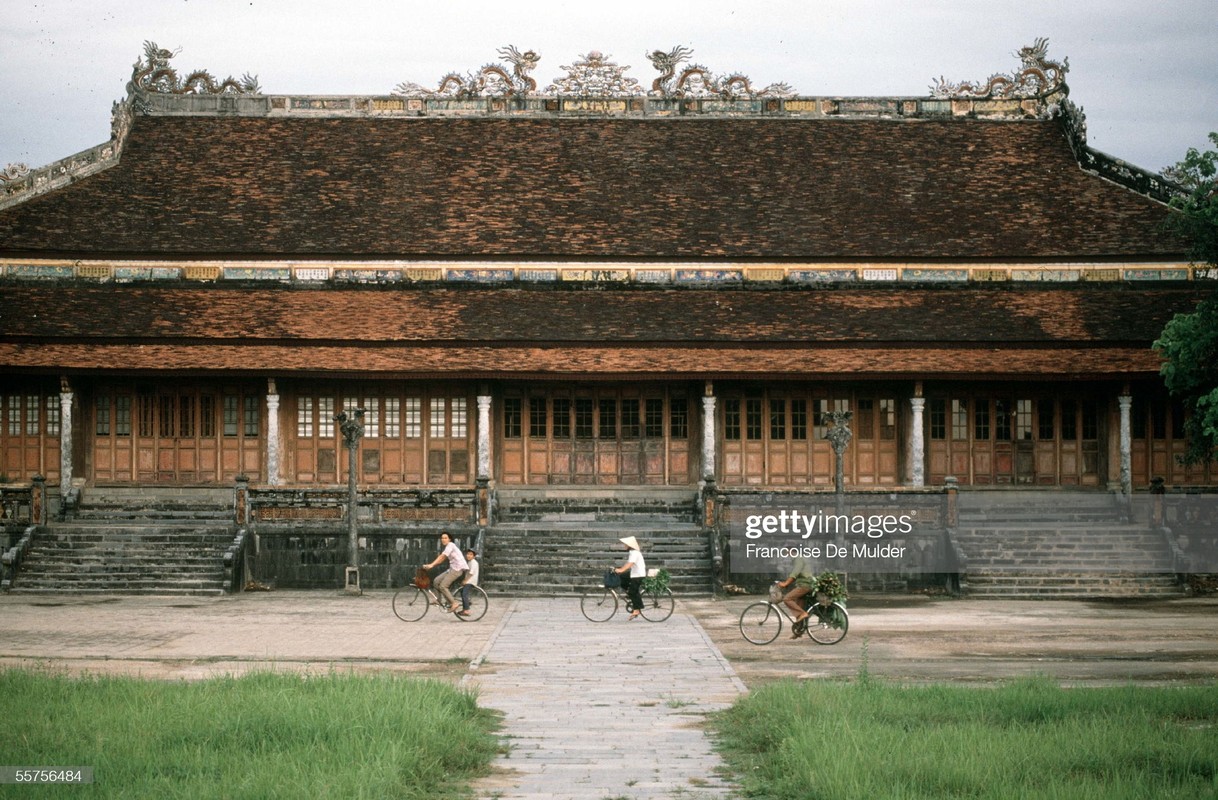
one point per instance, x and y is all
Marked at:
(839, 436)
(352, 428)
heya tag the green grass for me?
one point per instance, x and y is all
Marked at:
(1028, 739)
(264, 735)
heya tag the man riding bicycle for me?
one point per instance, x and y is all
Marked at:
(803, 581)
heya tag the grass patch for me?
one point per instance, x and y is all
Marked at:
(1027, 739)
(263, 735)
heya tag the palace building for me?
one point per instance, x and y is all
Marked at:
(586, 291)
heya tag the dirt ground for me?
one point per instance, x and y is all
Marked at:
(906, 638)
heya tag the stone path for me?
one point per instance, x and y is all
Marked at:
(602, 710)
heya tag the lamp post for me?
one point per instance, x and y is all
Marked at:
(352, 428)
(839, 436)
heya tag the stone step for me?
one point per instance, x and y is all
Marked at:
(148, 585)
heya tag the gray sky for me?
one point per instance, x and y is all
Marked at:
(1144, 71)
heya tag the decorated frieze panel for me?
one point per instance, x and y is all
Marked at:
(713, 276)
(822, 275)
(706, 276)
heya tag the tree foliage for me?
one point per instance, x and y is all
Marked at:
(1197, 174)
(1189, 342)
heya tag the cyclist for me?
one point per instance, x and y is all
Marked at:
(801, 578)
(457, 566)
(471, 579)
(633, 572)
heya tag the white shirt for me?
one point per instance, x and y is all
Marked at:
(638, 569)
(472, 578)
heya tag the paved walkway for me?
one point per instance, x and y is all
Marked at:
(602, 710)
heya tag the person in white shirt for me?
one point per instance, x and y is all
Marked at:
(471, 578)
(633, 572)
(456, 568)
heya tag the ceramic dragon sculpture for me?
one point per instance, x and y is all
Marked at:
(490, 80)
(1038, 78)
(152, 73)
(697, 80)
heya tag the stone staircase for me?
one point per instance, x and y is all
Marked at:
(558, 541)
(134, 541)
(1070, 546)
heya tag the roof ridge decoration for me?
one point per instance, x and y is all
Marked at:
(1039, 78)
(492, 80)
(155, 75)
(697, 81)
(594, 75)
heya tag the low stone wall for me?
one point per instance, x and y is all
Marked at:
(311, 556)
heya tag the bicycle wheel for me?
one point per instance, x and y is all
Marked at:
(828, 624)
(599, 605)
(477, 604)
(410, 603)
(760, 623)
(657, 606)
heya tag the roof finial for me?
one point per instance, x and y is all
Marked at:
(1039, 78)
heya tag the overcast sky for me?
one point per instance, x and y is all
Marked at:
(1144, 71)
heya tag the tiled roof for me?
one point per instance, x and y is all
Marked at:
(1084, 330)
(596, 188)
(592, 362)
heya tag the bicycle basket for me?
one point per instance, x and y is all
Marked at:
(775, 593)
(422, 578)
(612, 579)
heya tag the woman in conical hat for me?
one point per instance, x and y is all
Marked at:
(633, 572)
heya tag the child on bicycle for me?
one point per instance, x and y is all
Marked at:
(471, 579)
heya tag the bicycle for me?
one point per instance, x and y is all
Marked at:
(411, 602)
(600, 604)
(826, 623)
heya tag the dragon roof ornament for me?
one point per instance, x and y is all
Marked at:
(697, 81)
(492, 80)
(152, 73)
(13, 173)
(594, 75)
(1039, 78)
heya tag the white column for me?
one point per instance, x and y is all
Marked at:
(484, 436)
(272, 433)
(917, 447)
(1126, 402)
(708, 437)
(65, 439)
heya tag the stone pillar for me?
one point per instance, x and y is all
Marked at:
(482, 480)
(65, 437)
(1126, 402)
(273, 443)
(917, 447)
(708, 436)
(38, 500)
(484, 437)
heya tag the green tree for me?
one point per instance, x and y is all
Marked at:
(1197, 175)
(1189, 342)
